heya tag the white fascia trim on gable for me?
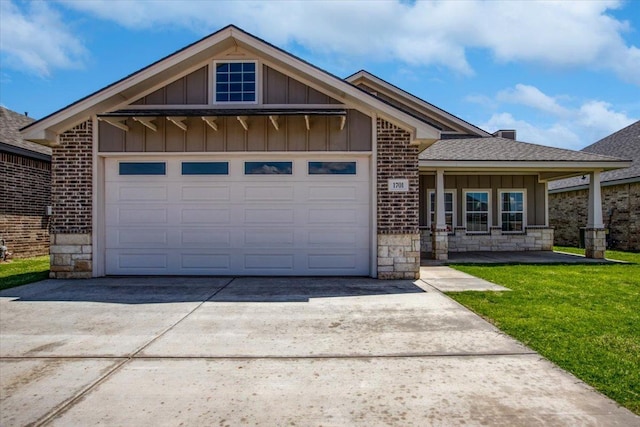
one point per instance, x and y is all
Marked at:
(111, 96)
(399, 93)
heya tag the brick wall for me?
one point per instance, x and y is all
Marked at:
(620, 213)
(24, 195)
(71, 181)
(71, 197)
(398, 237)
(397, 212)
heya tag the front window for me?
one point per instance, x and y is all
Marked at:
(477, 211)
(512, 210)
(449, 209)
(235, 82)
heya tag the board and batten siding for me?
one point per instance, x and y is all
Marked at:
(324, 133)
(535, 193)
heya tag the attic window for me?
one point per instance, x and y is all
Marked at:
(235, 82)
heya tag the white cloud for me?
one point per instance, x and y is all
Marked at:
(36, 40)
(559, 34)
(555, 134)
(572, 127)
(531, 96)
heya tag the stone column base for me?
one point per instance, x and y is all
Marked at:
(398, 256)
(71, 256)
(595, 242)
(440, 244)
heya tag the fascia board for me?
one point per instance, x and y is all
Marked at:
(44, 131)
(602, 184)
(418, 128)
(40, 131)
(400, 94)
(524, 165)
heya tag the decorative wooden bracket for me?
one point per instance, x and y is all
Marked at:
(146, 121)
(178, 121)
(274, 122)
(243, 122)
(115, 121)
(306, 121)
(343, 120)
(211, 121)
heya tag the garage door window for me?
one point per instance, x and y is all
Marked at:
(205, 168)
(268, 168)
(332, 168)
(143, 168)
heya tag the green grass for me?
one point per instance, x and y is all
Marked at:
(22, 271)
(584, 318)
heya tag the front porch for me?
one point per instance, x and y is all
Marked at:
(510, 257)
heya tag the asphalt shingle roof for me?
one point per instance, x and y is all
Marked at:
(503, 149)
(624, 144)
(10, 124)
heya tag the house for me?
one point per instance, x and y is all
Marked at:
(233, 157)
(620, 195)
(25, 180)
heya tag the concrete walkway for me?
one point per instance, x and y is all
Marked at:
(446, 279)
(249, 351)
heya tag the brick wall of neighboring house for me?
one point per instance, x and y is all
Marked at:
(398, 235)
(71, 198)
(620, 213)
(24, 195)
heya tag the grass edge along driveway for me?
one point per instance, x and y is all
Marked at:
(584, 318)
(22, 271)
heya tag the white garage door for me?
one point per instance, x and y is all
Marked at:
(188, 216)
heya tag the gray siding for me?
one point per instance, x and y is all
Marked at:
(191, 89)
(278, 88)
(324, 135)
(535, 193)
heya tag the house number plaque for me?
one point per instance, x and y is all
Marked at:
(399, 185)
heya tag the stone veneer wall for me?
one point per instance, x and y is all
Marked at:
(621, 215)
(398, 235)
(536, 238)
(24, 196)
(71, 195)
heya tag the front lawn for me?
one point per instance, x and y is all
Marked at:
(22, 271)
(584, 318)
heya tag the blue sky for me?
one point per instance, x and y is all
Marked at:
(562, 73)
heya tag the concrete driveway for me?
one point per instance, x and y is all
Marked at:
(267, 351)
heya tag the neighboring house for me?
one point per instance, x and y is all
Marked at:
(620, 195)
(25, 180)
(233, 157)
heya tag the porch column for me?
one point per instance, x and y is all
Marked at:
(595, 233)
(439, 234)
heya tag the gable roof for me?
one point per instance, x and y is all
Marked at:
(414, 105)
(11, 140)
(127, 90)
(625, 144)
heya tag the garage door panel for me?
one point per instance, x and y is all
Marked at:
(238, 224)
(325, 261)
(334, 238)
(332, 193)
(205, 261)
(205, 238)
(268, 216)
(133, 215)
(216, 216)
(271, 238)
(266, 193)
(268, 261)
(209, 193)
